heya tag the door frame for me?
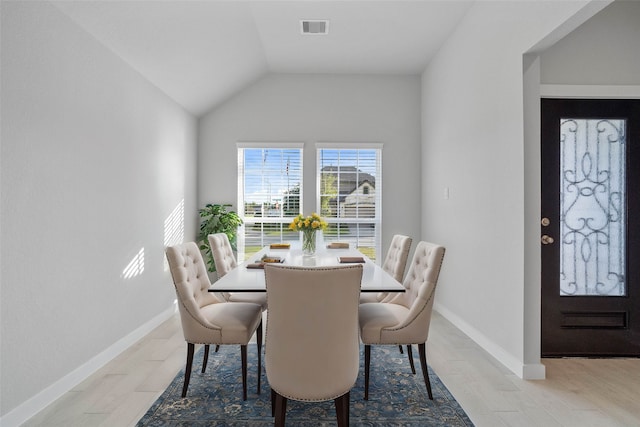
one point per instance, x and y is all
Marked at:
(532, 366)
(632, 299)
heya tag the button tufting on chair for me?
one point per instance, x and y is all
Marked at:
(207, 320)
(405, 318)
(225, 261)
(394, 263)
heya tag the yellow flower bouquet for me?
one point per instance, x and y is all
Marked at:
(308, 226)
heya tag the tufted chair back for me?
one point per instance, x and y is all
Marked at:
(420, 284)
(192, 283)
(206, 319)
(405, 317)
(397, 255)
(312, 346)
(225, 262)
(394, 264)
(222, 253)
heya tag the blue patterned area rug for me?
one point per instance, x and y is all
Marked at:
(396, 396)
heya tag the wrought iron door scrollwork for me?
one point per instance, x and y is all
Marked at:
(592, 207)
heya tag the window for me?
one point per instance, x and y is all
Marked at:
(349, 182)
(348, 194)
(269, 194)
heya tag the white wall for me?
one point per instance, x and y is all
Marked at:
(311, 108)
(603, 51)
(473, 143)
(94, 160)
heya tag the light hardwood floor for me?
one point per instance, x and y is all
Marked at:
(577, 392)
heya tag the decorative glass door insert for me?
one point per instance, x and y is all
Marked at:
(592, 207)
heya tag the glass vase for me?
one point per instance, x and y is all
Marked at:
(308, 242)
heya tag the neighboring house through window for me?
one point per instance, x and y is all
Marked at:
(349, 178)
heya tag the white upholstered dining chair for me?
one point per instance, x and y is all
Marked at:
(207, 320)
(225, 261)
(406, 317)
(311, 344)
(394, 263)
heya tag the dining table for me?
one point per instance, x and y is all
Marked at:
(248, 276)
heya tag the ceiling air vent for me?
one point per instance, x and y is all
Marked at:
(314, 27)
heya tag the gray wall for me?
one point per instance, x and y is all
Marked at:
(94, 161)
(327, 108)
(473, 144)
(603, 51)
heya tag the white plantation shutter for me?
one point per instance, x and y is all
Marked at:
(349, 194)
(269, 193)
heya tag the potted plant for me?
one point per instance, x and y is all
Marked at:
(216, 218)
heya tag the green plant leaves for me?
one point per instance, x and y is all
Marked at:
(216, 218)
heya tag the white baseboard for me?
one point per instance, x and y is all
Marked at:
(534, 371)
(524, 371)
(47, 396)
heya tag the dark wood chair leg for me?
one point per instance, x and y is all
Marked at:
(243, 357)
(281, 410)
(425, 373)
(342, 410)
(217, 348)
(187, 369)
(259, 344)
(410, 354)
(367, 362)
(205, 359)
(273, 403)
(401, 350)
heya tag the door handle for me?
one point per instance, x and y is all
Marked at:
(546, 239)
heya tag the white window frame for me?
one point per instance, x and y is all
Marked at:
(377, 220)
(241, 146)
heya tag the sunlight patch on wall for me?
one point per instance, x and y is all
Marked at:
(135, 267)
(174, 226)
(174, 229)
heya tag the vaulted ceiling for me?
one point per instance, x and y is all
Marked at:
(202, 52)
